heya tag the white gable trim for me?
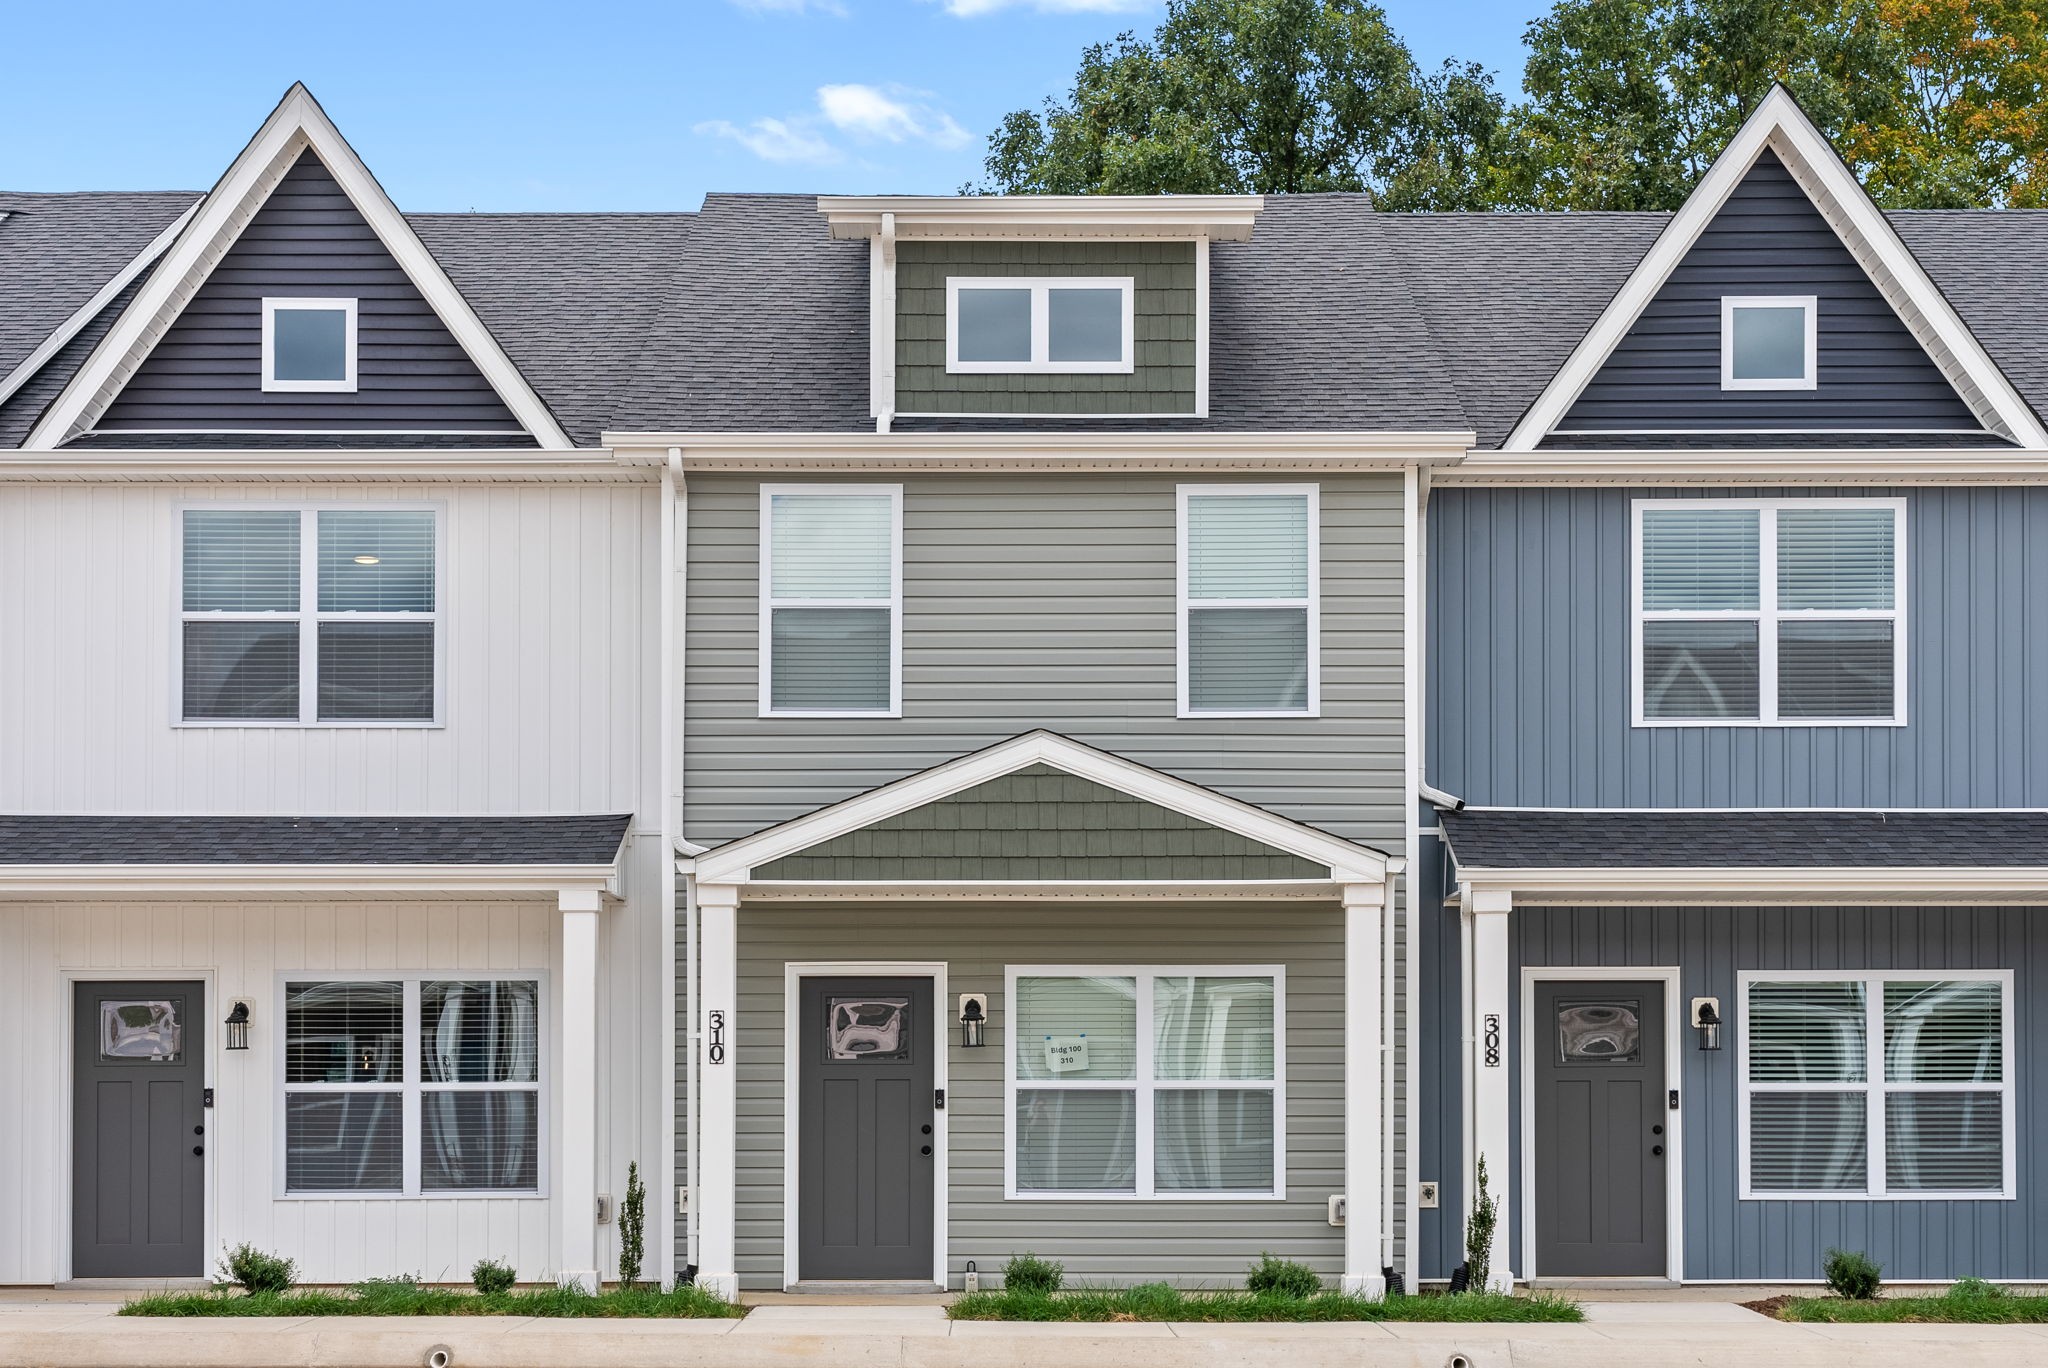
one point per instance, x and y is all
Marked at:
(1781, 126)
(735, 862)
(297, 124)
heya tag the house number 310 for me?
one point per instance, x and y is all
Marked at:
(715, 1050)
(1491, 1039)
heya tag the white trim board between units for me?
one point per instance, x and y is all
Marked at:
(297, 125)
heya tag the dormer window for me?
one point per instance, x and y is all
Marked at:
(1013, 325)
(309, 346)
(1768, 342)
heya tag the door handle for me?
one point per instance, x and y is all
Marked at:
(199, 1130)
(199, 1149)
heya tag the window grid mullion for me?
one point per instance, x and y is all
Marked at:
(309, 604)
(1874, 1070)
(1767, 602)
(1041, 324)
(1143, 1103)
(413, 1118)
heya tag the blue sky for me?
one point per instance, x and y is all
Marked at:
(582, 104)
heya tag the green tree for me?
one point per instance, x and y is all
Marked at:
(1260, 96)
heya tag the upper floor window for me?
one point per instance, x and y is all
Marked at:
(1005, 325)
(309, 345)
(1769, 612)
(1249, 617)
(831, 600)
(1769, 342)
(302, 615)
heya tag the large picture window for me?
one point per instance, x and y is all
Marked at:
(1891, 1085)
(831, 599)
(1769, 612)
(411, 1086)
(1155, 1082)
(304, 616)
(1249, 615)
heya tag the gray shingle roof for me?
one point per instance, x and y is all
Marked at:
(577, 840)
(1501, 838)
(57, 250)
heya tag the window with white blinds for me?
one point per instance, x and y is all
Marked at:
(1780, 612)
(311, 616)
(1146, 1082)
(411, 1085)
(1893, 1085)
(1249, 616)
(831, 600)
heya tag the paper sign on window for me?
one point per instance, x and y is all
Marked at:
(1066, 1054)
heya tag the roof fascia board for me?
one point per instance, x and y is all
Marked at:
(1778, 123)
(1024, 890)
(323, 880)
(1039, 450)
(1216, 217)
(298, 123)
(1757, 885)
(521, 463)
(86, 312)
(734, 862)
(1776, 465)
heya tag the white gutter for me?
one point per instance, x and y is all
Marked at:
(72, 464)
(323, 880)
(1767, 887)
(1772, 466)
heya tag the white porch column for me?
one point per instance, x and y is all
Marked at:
(717, 1130)
(1490, 1068)
(576, 1185)
(1365, 1156)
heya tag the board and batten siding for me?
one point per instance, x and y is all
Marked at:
(1162, 379)
(1768, 239)
(1046, 601)
(1113, 1241)
(1529, 664)
(308, 240)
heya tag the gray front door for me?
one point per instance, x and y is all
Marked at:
(1601, 1120)
(865, 1122)
(138, 1167)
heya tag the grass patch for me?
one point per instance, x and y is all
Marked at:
(2005, 1308)
(1158, 1302)
(399, 1297)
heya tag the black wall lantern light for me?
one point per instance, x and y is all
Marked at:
(238, 1026)
(973, 1016)
(1706, 1019)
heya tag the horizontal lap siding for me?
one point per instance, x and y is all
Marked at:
(1191, 1242)
(1728, 1238)
(1768, 239)
(1529, 665)
(308, 240)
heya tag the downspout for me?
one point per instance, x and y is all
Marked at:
(665, 1218)
(1415, 536)
(675, 585)
(1387, 1058)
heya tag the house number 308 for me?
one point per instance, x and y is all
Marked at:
(1491, 1039)
(715, 1050)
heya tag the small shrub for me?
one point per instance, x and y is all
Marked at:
(252, 1270)
(632, 1228)
(1975, 1289)
(1271, 1277)
(1851, 1275)
(1033, 1276)
(491, 1277)
(1479, 1232)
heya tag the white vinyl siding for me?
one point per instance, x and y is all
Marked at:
(1762, 612)
(1146, 1082)
(831, 600)
(1880, 1085)
(1249, 618)
(1022, 325)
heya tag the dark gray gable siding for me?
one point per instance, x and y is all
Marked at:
(308, 240)
(1163, 321)
(1041, 823)
(1768, 239)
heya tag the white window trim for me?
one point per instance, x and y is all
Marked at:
(1041, 327)
(1810, 304)
(1874, 1084)
(1313, 602)
(1143, 1084)
(345, 385)
(1767, 615)
(309, 617)
(413, 1088)
(769, 603)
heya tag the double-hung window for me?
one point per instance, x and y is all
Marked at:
(831, 600)
(1013, 325)
(1249, 616)
(1891, 1085)
(1781, 612)
(1152, 1082)
(411, 1085)
(308, 616)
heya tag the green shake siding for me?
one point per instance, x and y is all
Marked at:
(1163, 308)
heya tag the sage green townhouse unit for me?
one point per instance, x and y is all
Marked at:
(1044, 728)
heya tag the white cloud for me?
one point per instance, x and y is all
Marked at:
(776, 140)
(831, 7)
(975, 9)
(892, 115)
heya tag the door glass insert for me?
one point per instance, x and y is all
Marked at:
(141, 1030)
(1599, 1032)
(867, 1028)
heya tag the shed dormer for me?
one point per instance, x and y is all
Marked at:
(1057, 306)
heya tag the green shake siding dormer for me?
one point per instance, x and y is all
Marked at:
(1040, 823)
(1162, 379)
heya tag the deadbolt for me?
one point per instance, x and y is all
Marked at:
(1656, 1149)
(199, 1130)
(1656, 1130)
(927, 1130)
(199, 1149)
(927, 1149)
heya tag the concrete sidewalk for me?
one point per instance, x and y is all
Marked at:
(1635, 1334)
